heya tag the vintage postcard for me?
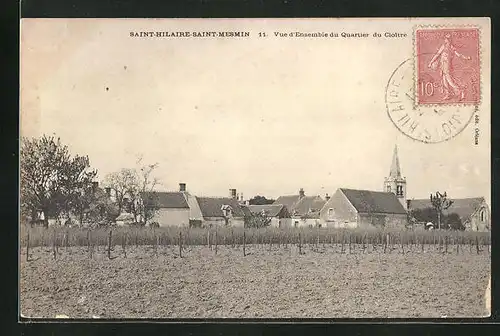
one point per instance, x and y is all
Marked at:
(255, 168)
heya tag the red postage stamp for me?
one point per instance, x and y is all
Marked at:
(447, 66)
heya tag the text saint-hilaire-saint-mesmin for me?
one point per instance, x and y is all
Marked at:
(189, 34)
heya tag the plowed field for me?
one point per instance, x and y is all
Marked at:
(280, 283)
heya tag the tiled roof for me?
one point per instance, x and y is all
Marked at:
(271, 210)
(211, 206)
(308, 205)
(288, 201)
(165, 199)
(464, 207)
(246, 210)
(367, 201)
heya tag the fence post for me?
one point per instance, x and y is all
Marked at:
(349, 243)
(216, 240)
(244, 243)
(54, 245)
(232, 238)
(402, 243)
(124, 245)
(300, 243)
(180, 243)
(364, 242)
(88, 243)
(342, 244)
(477, 244)
(208, 239)
(155, 237)
(28, 244)
(109, 243)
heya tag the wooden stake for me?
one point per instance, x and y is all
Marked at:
(300, 243)
(364, 240)
(156, 243)
(216, 240)
(446, 244)
(180, 244)
(349, 243)
(109, 243)
(402, 243)
(54, 245)
(208, 239)
(28, 245)
(244, 243)
(232, 238)
(124, 245)
(89, 244)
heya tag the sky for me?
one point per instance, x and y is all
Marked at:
(266, 116)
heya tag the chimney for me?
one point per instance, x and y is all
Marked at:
(232, 193)
(241, 197)
(327, 197)
(408, 202)
(182, 187)
(301, 193)
(108, 191)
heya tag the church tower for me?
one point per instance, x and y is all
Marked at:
(395, 183)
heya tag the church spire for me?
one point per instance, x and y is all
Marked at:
(395, 169)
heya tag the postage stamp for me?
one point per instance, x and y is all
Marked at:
(427, 123)
(447, 65)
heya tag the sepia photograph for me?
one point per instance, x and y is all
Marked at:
(255, 168)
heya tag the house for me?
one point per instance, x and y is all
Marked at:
(171, 208)
(473, 212)
(304, 209)
(222, 211)
(363, 208)
(278, 213)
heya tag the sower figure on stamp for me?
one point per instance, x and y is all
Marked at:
(444, 57)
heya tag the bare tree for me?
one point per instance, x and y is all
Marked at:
(440, 202)
(145, 188)
(122, 183)
(138, 185)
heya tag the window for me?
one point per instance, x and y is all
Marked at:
(296, 223)
(331, 212)
(482, 215)
(399, 190)
(389, 189)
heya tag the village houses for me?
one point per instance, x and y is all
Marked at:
(347, 207)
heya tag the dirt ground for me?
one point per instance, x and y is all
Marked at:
(322, 283)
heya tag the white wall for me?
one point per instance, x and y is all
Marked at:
(298, 222)
(171, 217)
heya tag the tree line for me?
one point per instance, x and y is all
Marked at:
(56, 184)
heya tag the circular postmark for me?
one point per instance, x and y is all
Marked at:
(425, 123)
